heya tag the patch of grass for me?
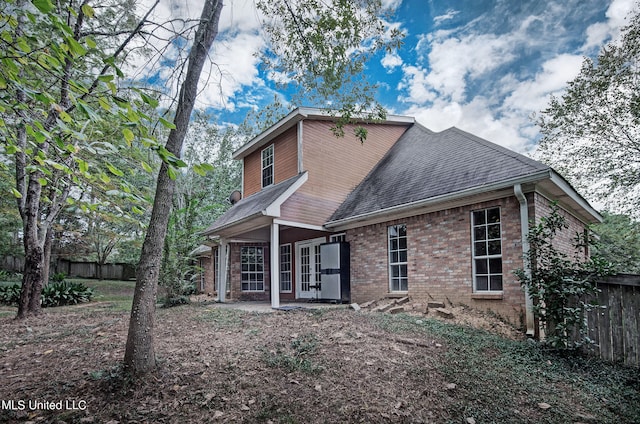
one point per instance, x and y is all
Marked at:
(501, 380)
(223, 318)
(297, 357)
(118, 294)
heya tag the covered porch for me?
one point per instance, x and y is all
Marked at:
(258, 256)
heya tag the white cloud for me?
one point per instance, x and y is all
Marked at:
(453, 60)
(447, 16)
(533, 95)
(414, 82)
(235, 66)
(391, 4)
(391, 61)
(474, 117)
(600, 32)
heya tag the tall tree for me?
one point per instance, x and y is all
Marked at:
(140, 352)
(619, 242)
(60, 65)
(322, 48)
(592, 133)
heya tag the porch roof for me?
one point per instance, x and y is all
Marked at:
(266, 202)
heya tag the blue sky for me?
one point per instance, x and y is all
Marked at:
(484, 66)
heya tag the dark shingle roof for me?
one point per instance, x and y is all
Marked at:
(423, 164)
(252, 205)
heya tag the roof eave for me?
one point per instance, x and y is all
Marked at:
(559, 181)
(272, 210)
(300, 114)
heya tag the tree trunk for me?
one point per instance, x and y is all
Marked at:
(34, 252)
(139, 352)
(46, 269)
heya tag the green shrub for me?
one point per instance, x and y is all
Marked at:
(178, 293)
(8, 276)
(54, 294)
(9, 295)
(65, 293)
(175, 301)
(58, 277)
(560, 286)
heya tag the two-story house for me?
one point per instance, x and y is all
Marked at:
(428, 215)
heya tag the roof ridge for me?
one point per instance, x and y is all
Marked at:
(497, 147)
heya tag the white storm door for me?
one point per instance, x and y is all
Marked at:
(308, 268)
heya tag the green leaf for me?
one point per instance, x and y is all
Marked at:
(23, 45)
(44, 6)
(16, 193)
(172, 173)
(115, 171)
(10, 149)
(91, 43)
(6, 36)
(104, 104)
(42, 181)
(167, 124)
(146, 167)
(65, 116)
(105, 178)
(75, 47)
(149, 100)
(88, 111)
(88, 11)
(128, 135)
(83, 166)
(202, 168)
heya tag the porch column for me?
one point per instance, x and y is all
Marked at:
(275, 265)
(222, 270)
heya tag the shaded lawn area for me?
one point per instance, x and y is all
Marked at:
(224, 365)
(107, 294)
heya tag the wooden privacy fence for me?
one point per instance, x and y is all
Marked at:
(614, 327)
(117, 271)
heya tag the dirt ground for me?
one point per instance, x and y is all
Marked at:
(225, 365)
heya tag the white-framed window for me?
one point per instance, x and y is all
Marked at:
(285, 268)
(267, 166)
(337, 237)
(398, 280)
(252, 271)
(487, 250)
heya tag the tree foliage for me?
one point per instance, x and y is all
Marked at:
(619, 242)
(558, 284)
(60, 73)
(592, 133)
(320, 50)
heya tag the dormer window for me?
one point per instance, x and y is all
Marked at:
(267, 166)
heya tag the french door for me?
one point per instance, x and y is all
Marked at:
(308, 268)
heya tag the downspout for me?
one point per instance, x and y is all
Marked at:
(524, 229)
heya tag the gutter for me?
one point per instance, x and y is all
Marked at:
(524, 230)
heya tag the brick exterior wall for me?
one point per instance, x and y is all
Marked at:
(439, 259)
(235, 271)
(206, 275)
(565, 240)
